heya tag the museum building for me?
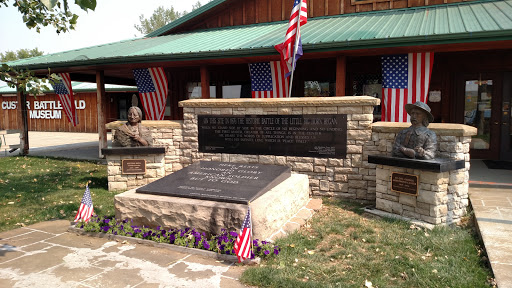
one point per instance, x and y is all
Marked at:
(206, 53)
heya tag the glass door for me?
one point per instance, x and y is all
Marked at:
(482, 104)
(506, 118)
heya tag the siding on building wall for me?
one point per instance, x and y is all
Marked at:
(235, 13)
(87, 118)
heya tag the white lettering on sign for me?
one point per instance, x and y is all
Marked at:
(45, 109)
(45, 114)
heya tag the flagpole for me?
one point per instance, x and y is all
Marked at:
(295, 48)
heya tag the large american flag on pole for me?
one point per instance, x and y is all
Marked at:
(406, 79)
(268, 80)
(298, 17)
(64, 89)
(86, 208)
(244, 240)
(152, 85)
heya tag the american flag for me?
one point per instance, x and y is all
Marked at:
(298, 17)
(244, 239)
(406, 79)
(86, 208)
(268, 80)
(152, 85)
(65, 91)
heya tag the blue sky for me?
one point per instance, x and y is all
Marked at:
(112, 21)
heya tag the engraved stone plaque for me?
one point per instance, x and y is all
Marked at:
(219, 181)
(322, 136)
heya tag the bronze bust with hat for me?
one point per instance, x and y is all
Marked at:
(417, 141)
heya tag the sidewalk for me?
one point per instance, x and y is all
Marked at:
(45, 252)
(490, 193)
(45, 255)
(83, 146)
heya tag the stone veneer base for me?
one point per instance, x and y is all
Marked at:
(270, 212)
(385, 214)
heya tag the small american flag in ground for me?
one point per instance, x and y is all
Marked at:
(405, 80)
(244, 240)
(86, 208)
(268, 80)
(152, 85)
(65, 91)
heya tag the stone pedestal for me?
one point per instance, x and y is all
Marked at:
(155, 166)
(442, 196)
(269, 212)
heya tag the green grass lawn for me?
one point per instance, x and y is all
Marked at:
(341, 247)
(34, 189)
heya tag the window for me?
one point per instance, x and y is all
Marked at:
(318, 89)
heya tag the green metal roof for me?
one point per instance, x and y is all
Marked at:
(80, 87)
(442, 24)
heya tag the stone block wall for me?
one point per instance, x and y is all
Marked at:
(122, 182)
(351, 177)
(442, 197)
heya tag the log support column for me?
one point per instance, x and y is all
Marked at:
(205, 83)
(101, 107)
(341, 75)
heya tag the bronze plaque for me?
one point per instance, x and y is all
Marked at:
(404, 183)
(133, 166)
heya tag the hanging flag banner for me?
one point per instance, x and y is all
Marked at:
(268, 80)
(64, 89)
(405, 80)
(153, 89)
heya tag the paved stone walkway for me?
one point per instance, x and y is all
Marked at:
(45, 255)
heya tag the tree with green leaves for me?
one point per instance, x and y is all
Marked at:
(37, 14)
(20, 54)
(161, 17)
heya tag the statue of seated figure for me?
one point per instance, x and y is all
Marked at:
(132, 133)
(417, 141)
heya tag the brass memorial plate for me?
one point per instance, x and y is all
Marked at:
(404, 183)
(133, 166)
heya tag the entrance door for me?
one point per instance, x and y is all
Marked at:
(506, 118)
(482, 110)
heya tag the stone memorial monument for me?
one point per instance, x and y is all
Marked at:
(413, 183)
(212, 195)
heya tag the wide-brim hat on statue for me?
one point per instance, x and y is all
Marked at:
(422, 106)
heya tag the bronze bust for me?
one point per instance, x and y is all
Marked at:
(417, 141)
(132, 133)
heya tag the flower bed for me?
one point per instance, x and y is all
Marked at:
(188, 237)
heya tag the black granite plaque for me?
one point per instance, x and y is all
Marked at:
(404, 183)
(435, 165)
(322, 136)
(143, 150)
(219, 181)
